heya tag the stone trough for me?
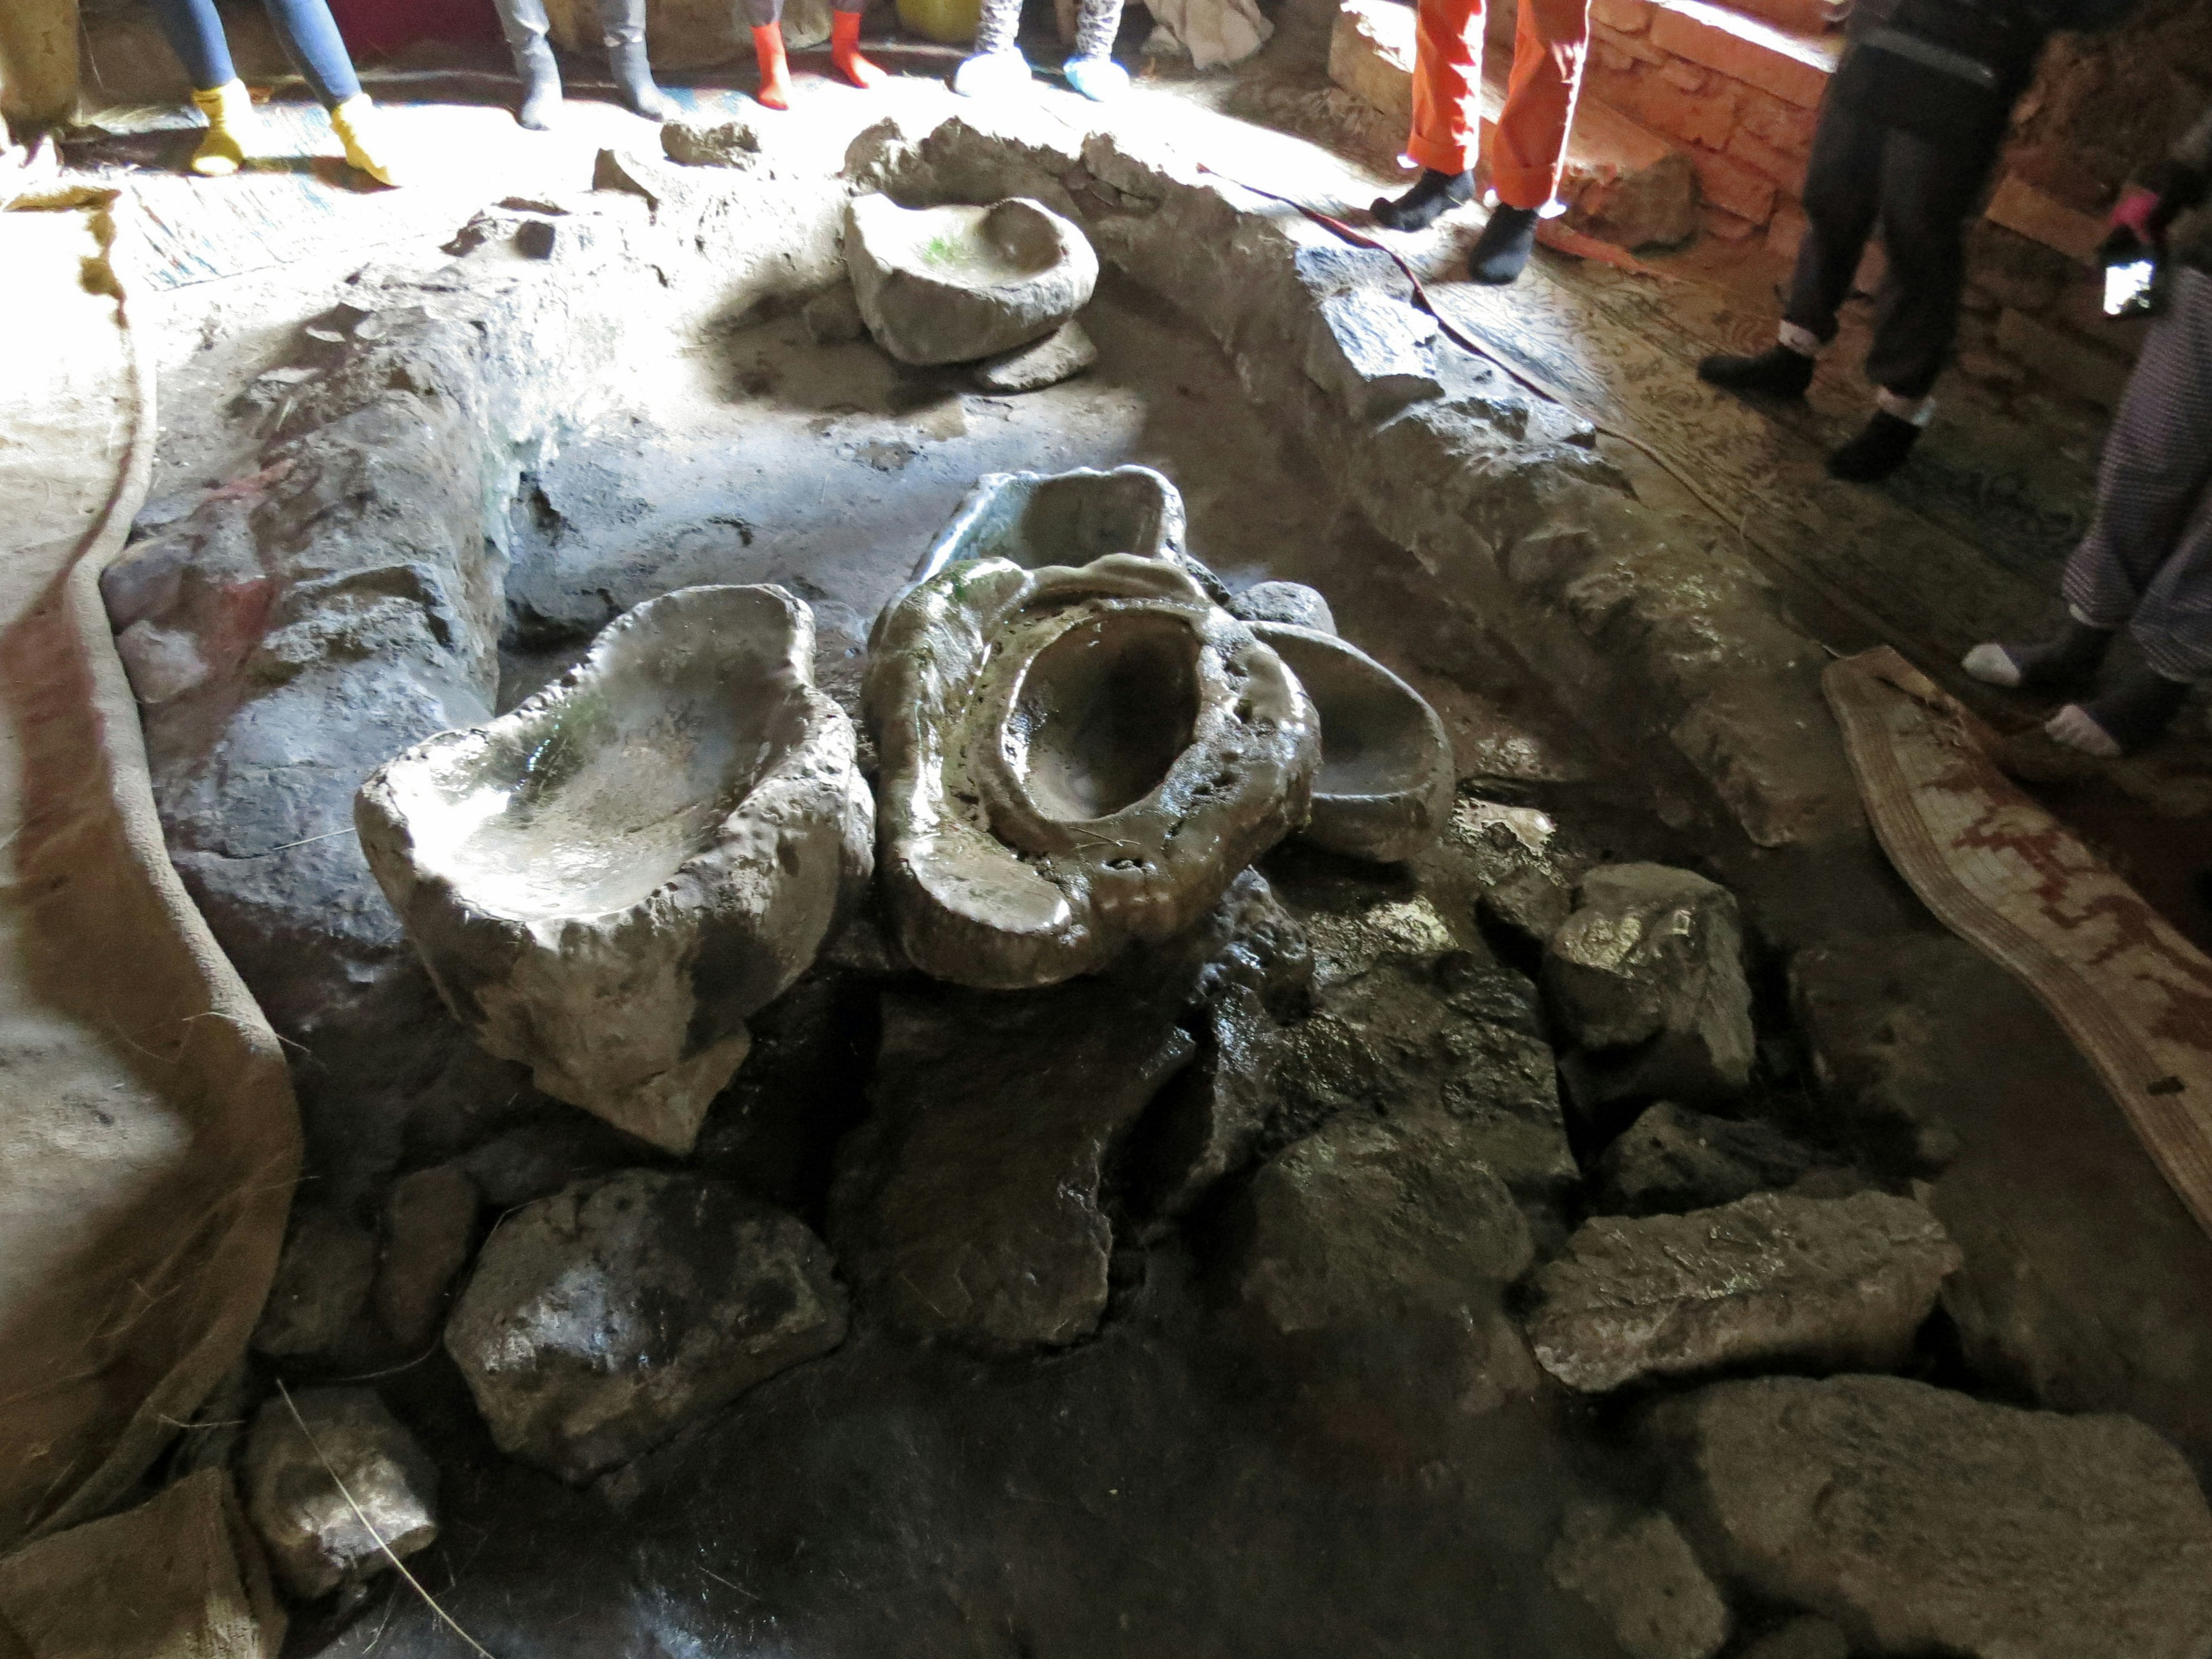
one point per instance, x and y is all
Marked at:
(951, 284)
(606, 882)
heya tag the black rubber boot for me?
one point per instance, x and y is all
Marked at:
(2056, 665)
(621, 24)
(1501, 252)
(1777, 372)
(1433, 195)
(2127, 717)
(1878, 451)
(524, 24)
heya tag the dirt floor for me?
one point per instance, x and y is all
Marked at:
(1156, 1488)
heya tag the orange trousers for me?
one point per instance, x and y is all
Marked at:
(1551, 40)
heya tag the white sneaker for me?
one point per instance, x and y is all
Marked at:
(1992, 664)
(1097, 79)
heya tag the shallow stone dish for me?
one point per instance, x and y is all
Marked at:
(605, 882)
(1036, 519)
(1074, 758)
(950, 284)
(1385, 782)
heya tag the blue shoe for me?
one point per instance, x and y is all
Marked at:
(992, 74)
(1098, 79)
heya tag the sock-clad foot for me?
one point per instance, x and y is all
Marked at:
(541, 88)
(632, 74)
(992, 74)
(845, 50)
(2128, 716)
(774, 70)
(1878, 451)
(361, 127)
(1433, 195)
(1098, 79)
(1501, 252)
(1777, 372)
(2070, 659)
(234, 130)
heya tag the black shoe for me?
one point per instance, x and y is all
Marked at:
(1878, 451)
(1433, 195)
(1501, 252)
(1777, 372)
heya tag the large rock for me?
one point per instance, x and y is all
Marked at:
(968, 1205)
(1647, 973)
(1672, 1158)
(1406, 1017)
(1074, 759)
(599, 1320)
(1639, 1573)
(1925, 1522)
(321, 1290)
(950, 284)
(1879, 1063)
(429, 1224)
(1832, 1284)
(607, 881)
(1293, 602)
(1368, 1262)
(330, 1490)
(1373, 353)
(1033, 519)
(1061, 356)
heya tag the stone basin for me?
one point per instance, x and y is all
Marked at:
(605, 882)
(1385, 786)
(950, 284)
(1075, 758)
(1036, 519)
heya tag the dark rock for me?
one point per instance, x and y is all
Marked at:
(332, 1489)
(536, 1160)
(967, 1206)
(1799, 1638)
(321, 1289)
(429, 1223)
(1406, 1017)
(1367, 1264)
(1528, 907)
(1672, 1158)
(1921, 1521)
(601, 1320)
(1293, 602)
(1637, 1571)
(1647, 973)
(1832, 1283)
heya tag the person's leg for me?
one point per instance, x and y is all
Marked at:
(845, 46)
(1928, 189)
(524, 23)
(1447, 113)
(194, 31)
(766, 17)
(996, 68)
(311, 40)
(1091, 70)
(1551, 41)
(1842, 180)
(621, 28)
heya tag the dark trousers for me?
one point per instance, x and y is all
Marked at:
(310, 37)
(1863, 174)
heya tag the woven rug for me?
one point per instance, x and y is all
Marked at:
(2132, 994)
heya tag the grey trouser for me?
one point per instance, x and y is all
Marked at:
(1862, 172)
(2147, 561)
(1096, 23)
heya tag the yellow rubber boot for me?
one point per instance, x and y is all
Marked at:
(234, 130)
(368, 140)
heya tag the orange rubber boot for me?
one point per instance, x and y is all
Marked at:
(845, 50)
(775, 73)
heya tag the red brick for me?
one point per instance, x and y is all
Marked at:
(1731, 186)
(1634, 46)
(2059, 175)
(1608, 60)
(1695, 117)
(1792, 68)
(1688, 76)
(1719, 221)
(1763, 159)
(1786, 230)
(2018, 206)
(1625, 16)
(1785, 126)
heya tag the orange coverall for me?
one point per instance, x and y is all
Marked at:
(1550, 41)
